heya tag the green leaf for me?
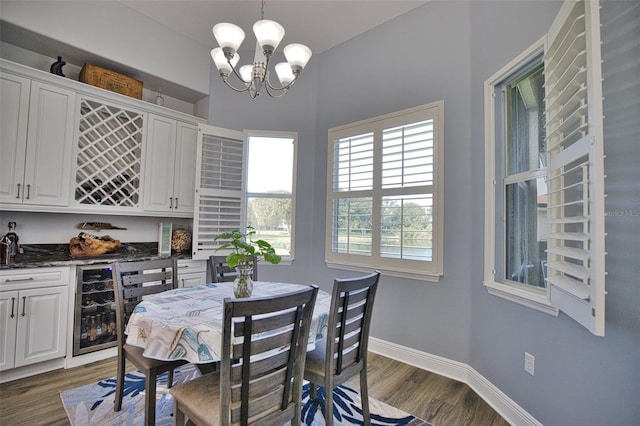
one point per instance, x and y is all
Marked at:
(272, 258)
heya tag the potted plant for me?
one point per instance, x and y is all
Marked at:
(246, 251)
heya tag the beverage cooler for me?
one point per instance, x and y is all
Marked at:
(94, 325)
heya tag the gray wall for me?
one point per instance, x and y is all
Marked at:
(446, 50)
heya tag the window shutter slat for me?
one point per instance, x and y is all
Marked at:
(574, 287)
(575, 207)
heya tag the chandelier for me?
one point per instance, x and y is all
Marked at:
(257, 75)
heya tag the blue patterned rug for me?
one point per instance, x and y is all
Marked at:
(92, 405)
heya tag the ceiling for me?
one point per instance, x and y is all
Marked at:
(319, 24)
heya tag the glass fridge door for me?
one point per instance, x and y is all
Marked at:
(95, 315)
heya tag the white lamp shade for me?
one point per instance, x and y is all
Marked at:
(228, 35)
(268, 33)
(221, 61)
(297, 55)
(285, 73)
(246, 72)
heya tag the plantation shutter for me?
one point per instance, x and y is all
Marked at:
(219, 187)
(575, 251)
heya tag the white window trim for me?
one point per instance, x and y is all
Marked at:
(350, 261)
(286, 260)
(510, 290)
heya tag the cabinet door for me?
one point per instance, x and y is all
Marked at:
(14, 104)
(42, 325)
(185, 168)
(192, 273)
(193, 280)
(8, 320)
(159, 165)
(49, 144)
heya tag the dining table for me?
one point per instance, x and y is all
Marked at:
(186, 323)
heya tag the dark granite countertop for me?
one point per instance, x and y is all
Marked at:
(43, 255)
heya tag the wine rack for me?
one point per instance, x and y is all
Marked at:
(109, 155)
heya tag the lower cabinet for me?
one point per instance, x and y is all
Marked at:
(192, 273)
(33, 315)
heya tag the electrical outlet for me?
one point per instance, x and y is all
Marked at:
(529, 363)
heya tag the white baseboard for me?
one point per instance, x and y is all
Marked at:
(31, 370)
(498, 400)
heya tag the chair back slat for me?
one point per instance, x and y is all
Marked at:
(262, 345)
(263, 357)
(353, 326)
(140, 292)
(262, 325)
(261, 366)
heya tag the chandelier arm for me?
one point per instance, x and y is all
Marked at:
(226, 81)
(271, 86)
(283, 90)
(276, 95)
(235, 71)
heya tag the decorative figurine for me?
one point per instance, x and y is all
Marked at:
(56, 67)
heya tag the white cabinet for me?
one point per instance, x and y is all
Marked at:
(192, 273)
(36, 130)
(33, 315)
(170, 165)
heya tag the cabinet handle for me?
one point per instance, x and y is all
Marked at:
(28, 191)
(13, 302)
(24, 304)
(9, 280)
(176, 202)
(18, 196)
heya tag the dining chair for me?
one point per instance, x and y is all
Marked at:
(264, 341)
(343, 353)
(221, 272)
(133, 281)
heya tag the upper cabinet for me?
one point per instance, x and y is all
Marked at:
(108, 155)
(170, 166)
(71, 147)
(36, 130)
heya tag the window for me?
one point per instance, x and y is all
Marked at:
(384, 207)
(270, 201)
(544, 203)
(232, 192)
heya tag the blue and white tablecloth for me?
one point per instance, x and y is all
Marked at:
(186, 323)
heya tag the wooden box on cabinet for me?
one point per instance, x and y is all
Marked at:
(111, 80)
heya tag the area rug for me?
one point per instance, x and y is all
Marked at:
(92, 405)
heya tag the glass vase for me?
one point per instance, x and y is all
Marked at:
(243, 284)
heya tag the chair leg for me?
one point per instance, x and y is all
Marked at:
(169, 378)
(178, 415)
(117, 404)
(313, 391)
(328, 404)
(364, 396)
(150, 400)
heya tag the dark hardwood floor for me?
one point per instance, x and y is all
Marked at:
(439, 400)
